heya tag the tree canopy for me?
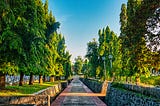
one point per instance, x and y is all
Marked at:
(29, 41)
(135, 52)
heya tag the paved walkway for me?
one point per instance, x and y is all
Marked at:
(77, 94)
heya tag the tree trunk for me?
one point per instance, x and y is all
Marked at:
(67, 71)
(52, 78)
(156, 70)
(130, 79)
(44, 78)
(126, 79)
(2, 80)
(21, 79)
(40, 79)
(113, 77)
(137, 80)
(120, 78)
(31, 80)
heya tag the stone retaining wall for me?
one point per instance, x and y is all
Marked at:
(123, 97)
(41, 98)
(149, 91)
(52, 91)
(93, 85)
(37, 100)
(120, 97)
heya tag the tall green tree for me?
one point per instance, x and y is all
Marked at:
(52, 54)
(61, 50)
(109, 46)
(85, 67)
(57, 57)
(29, 41)
(92, 55)
(39, 42)
(124, 50)
(11, 39)
(138, 12)
(123, 19)
(27, 26)
(78, 65)
(150, 26)
(67, 65)
(131, 42)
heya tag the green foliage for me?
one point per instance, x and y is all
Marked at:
(29, 42)
(85, 68)
(133, 50)
(137, 59)
(92, 55)
(78, 65)
(109, 44)
(152, 80)
(123, 19)
(67, 65)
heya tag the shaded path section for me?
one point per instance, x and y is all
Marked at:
(82, 99)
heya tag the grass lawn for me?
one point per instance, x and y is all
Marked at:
(145, 81)
(152, 80)
(25, 89)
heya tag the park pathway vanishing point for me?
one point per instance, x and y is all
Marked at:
(77, 94)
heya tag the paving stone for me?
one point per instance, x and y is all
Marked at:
(76, 86)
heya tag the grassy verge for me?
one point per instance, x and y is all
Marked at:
(144, 81)
(152, 80)
(25, 89)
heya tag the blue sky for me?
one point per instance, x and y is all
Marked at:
(81, 19)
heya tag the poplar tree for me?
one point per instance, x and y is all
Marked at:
(123, 42)
(92, 55)
(78, 65)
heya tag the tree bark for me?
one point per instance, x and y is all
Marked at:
(40, 79)
(67, 71)
(137, 80)
(130, 79)
(2, 80)
(120, 78)
(126, 79)
(31, 80)
(52, 78)
(44, 78)
(113, 76)
(21, 79)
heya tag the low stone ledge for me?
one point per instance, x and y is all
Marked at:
(38, 100)
(41, 98)
(126, 97)
(91, 84)
(148, 91)
(52, 91)
(120, 97)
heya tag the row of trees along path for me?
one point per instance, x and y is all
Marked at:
(29, 41)
(31, 45)
(134, 53)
